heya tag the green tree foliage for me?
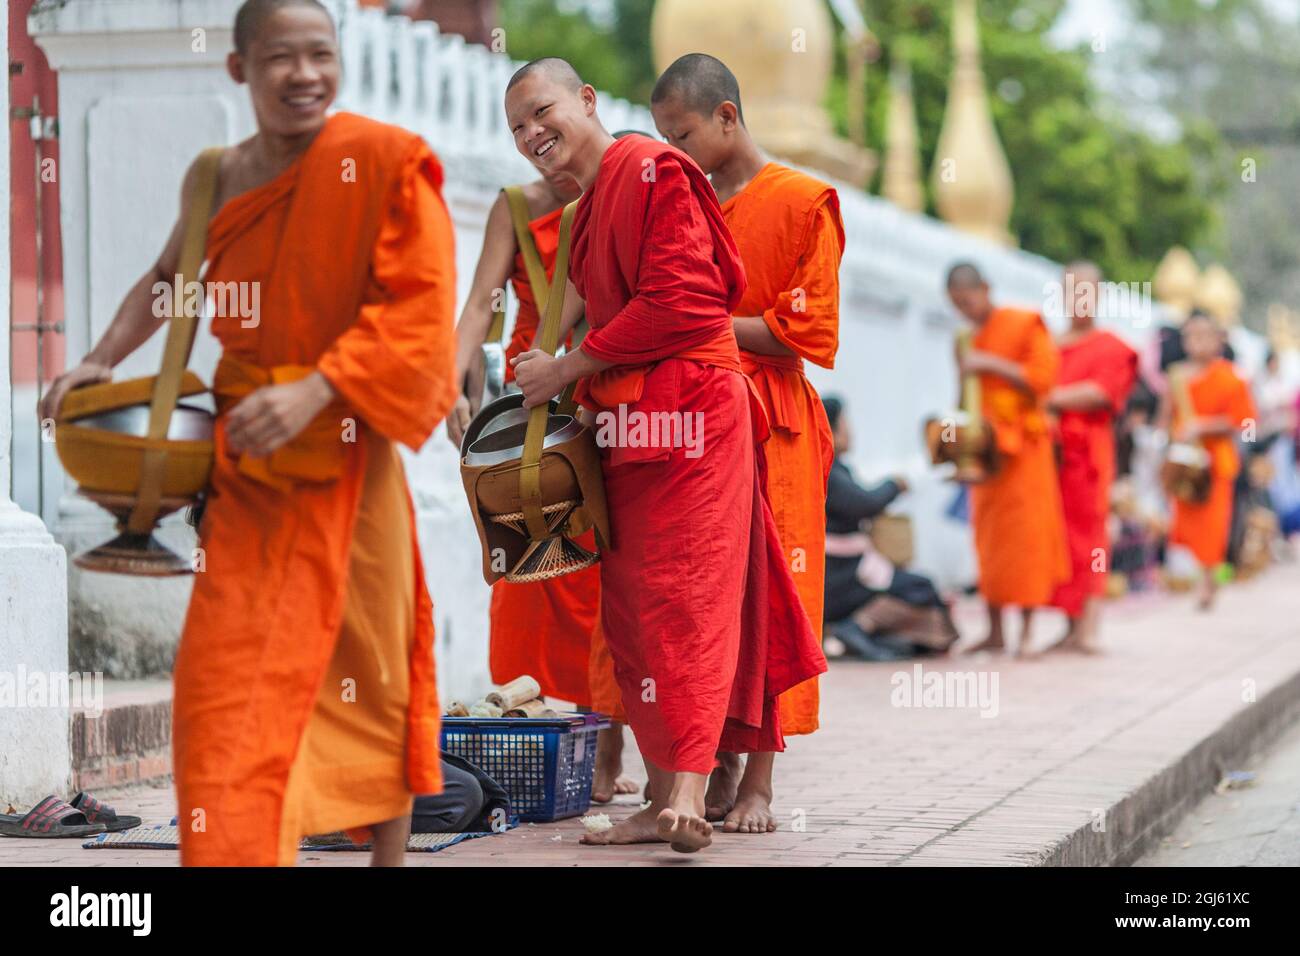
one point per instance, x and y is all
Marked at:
(1088, 184)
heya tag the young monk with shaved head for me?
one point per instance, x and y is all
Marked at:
(305, 698)
(1015, 514)
(1097, 372)
(788, 230)
(698, 606)
(1208, 405)
(541, 628)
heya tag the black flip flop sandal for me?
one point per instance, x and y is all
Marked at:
(97, 812)
(49, 819)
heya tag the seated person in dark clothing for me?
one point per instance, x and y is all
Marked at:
(470, 802)
(880, 612)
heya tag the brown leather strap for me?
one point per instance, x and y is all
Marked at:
(567, 405)
(180, 340)
(530, 462)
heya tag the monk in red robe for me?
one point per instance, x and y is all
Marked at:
(788, 230)
(305, 696)
(698, 606)
(1016, 514)
(1217, 407)
(1098, 370)
(543, 628)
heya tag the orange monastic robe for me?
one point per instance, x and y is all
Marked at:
(1203, 529)
(1087, 460)
(305, 694)
(790, 236)
(1016, 514)
(544, 628)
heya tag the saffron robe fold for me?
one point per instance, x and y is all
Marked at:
(1016, 515)
(1216, 390)
(543, 628)
(698, 607)
(1086, 440)
(313, 568)
(788, 231)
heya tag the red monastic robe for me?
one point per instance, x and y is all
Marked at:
(1204, 528)
(313, 575)
(698, 606)
(1087, 461)
(788, 230)
(1016, 514)
(543, 628)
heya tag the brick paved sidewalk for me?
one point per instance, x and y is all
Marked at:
(1086, 760)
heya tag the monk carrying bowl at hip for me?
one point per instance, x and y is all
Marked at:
(305, 698)
(698, 607)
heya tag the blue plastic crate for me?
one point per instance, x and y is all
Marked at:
(545, 764)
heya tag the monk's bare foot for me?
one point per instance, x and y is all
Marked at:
(990, 643)
(608, 780)
(640, 827)
(684, 830)
(752, 814)
(723, 782)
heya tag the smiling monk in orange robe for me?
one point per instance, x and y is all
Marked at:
(698, 606)
(305, 695)
(790, 236)
(1220, 405)
(1016, 514)
(1098, 370)
(542, 628)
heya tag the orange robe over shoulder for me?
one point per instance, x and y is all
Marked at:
(790, 236)
(698, 607)
(1016, 515)
(1087, 461)
(543, 628)
(1204, 528)
(305, 693)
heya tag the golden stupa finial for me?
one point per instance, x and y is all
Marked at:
(900, 180)
(971, 178)
(1218, 294)
(1176, 280)
(782, 53)
(1282, 328)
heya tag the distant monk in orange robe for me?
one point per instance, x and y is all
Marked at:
(788, 230)
(543, 628)
(1016, 515)
(305, 696)
(1098, 370)
(698, 606)
(1221, 407)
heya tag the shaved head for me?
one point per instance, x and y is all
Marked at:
(701, 82)
(965, 275)
(554, 68)
(253, 13)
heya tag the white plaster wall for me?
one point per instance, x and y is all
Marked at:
(34, 751)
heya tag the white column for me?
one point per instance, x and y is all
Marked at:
(34, 753)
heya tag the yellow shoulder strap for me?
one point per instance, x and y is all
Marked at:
(530, 462)
(180, 340)
(528, 247)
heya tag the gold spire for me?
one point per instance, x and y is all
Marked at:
(1176, 279)
(1218, 294)
(971, 176)
(782, 53)
(900, 181)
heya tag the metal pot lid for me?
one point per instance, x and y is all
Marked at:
(188, 422)
(507, 444)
